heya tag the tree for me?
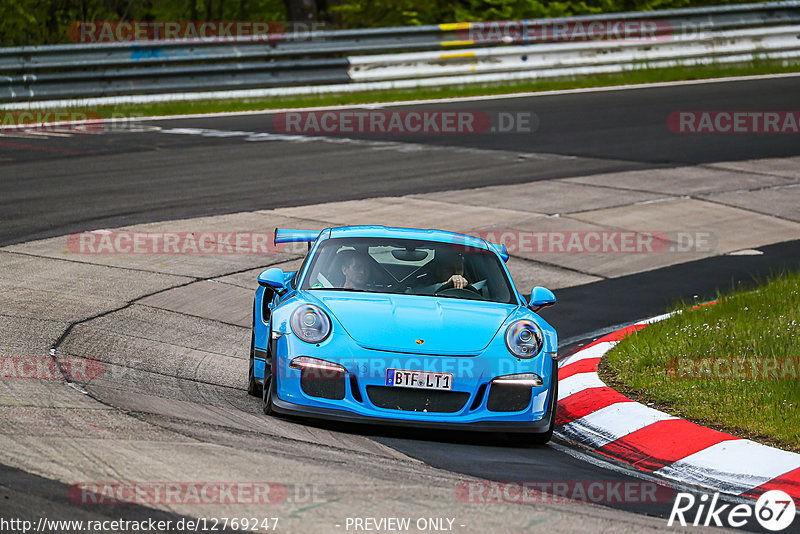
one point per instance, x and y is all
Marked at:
(301, 10)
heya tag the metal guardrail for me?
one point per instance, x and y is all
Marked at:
(721, 46)
(400, 57)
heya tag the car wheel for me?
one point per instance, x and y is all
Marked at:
(253, 387)
(544, 437)
(267, 396)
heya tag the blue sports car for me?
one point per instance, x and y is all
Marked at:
(403, 326)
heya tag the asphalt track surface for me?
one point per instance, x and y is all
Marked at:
(595, 307)
(67, 184)
(580, 310)
(83, 182)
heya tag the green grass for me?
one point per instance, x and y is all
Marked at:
(643, 75)
(754, 329)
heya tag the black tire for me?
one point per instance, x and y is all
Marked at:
(267, 396)
(253, 387)
(269, 379)
(544, 437)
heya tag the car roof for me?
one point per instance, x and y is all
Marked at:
(430, 234)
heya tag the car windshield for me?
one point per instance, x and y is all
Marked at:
(416, 267)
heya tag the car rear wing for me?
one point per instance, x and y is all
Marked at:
(501, 250)
(284, 235)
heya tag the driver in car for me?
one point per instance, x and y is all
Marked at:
(450, 269)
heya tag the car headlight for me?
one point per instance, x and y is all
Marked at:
(520, 379)
(315, 364)
(310, 324)
(524, 338)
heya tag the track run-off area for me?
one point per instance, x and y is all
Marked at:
(167, 331)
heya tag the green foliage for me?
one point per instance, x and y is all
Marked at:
(375, 13)
(32, 22)
(756, 330)
(384, 13)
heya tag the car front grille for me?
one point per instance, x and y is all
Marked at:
(508, 397)
(417, 400)
(326, 387)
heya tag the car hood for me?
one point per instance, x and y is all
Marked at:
(418, 324)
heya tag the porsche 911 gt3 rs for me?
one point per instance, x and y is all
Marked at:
(403, 326)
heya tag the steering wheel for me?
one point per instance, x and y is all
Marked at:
(449, 288)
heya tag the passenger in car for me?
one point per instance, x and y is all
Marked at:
(356, 269)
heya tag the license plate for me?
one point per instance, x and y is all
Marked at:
(406, 378)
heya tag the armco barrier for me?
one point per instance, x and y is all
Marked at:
(346, 60)
(783, 41)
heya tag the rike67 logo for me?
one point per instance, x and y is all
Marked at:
(774, 510)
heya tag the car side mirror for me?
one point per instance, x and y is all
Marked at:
(273, 278)
(541, 297)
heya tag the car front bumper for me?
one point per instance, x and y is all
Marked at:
(357, 403)
(299, 410)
